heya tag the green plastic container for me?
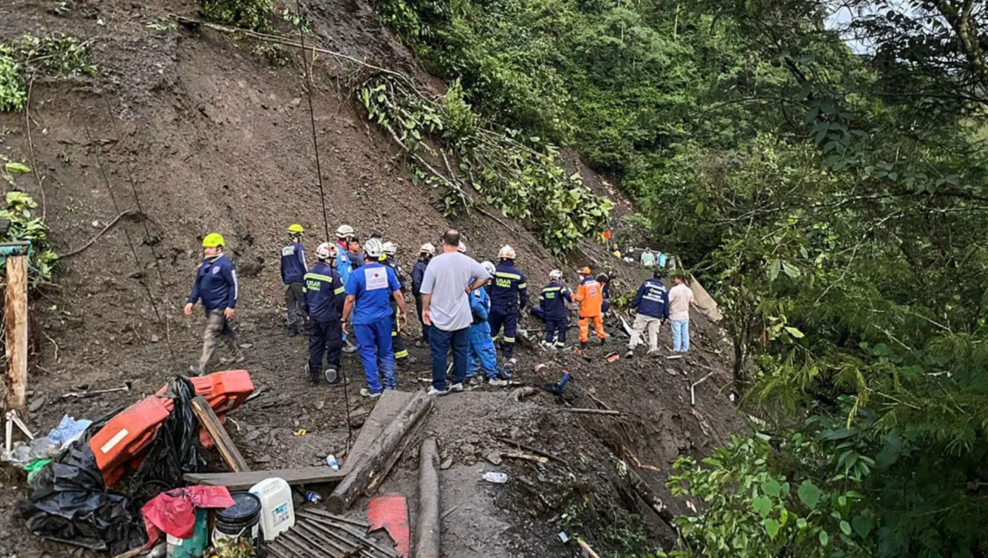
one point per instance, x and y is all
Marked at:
(194, 547)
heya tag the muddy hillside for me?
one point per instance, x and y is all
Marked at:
(184, 131)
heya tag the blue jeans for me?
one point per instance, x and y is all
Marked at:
(680, 335)
(376, 354)
(440, 343)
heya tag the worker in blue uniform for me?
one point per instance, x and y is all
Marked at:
(553, 308)
(426, 252)
(344, 238)
(367, 304)
(323, 301)
(481, 354)
(652, 304)
(508, 288)
(216, 286)
(402, 358)
(293, 271)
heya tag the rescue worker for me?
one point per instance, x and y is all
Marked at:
(481, 354)
(652, 303)
(402, 359)
(344, 236)
(426, 252)
(605, 291)
(323, 301)
(508, 287)
(367, 304)
(356, 255)
(216, 287)
(554, 311)
(590, 296)
(293, 270)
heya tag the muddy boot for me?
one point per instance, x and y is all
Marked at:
(313, 375)
(293, 330)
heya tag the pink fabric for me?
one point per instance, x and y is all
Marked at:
(174, 512)
(680, 298)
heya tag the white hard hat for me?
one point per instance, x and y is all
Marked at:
(489, 267)
(462, 248)
(428, 248)
(326, 251)
(373, 248)
(344, 231)
(390, 248)
(506, 253)
(555, 275)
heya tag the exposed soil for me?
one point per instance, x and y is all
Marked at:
(217, 138)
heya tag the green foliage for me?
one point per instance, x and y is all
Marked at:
(28, 57)
(24, 226)
(523, 177)
(254, 15)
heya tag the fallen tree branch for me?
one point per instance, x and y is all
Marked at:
(536, 451)
(71, 253)
(693, 388)
(30, 142)
(592, 411)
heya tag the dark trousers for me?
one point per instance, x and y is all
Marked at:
(509, 320)
(325, 338)
(425, 328)
(555, 328)
(440, 343)
(293, 304)
(397, 340)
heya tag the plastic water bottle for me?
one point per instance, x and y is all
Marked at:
(496, 478)
(313, 497)
(332, 462)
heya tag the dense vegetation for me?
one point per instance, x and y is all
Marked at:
(836, 202)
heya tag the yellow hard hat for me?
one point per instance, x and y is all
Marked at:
(213, 240)
(295, 229)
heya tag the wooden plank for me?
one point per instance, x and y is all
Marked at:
(427, 534)
(240, 481)
(380, 455)
(15, 325)
(385, 410)
(228, 450)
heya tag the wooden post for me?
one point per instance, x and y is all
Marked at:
(427, 535)
(209, 420)
(380, 455)
(15, 325)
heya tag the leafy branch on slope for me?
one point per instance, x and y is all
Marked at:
(523, 177)
(54, 55)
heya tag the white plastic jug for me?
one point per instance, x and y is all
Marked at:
(277, 509)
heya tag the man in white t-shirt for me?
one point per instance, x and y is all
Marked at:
(448, 280)
(680, 300)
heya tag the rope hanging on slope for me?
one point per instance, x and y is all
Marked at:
(322, 196)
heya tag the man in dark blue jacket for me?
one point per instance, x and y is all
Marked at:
(652, 303)
(216, 287)
(509, 285)
(418, 273)
(323, 301)
(553, 307)
(293, 271)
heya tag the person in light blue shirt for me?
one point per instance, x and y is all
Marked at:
(368, 294)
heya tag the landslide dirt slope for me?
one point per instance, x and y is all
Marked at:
(217, 138)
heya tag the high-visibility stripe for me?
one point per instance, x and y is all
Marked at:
(394, 333)
(326, 278)
(560, 344)
(509, 339)
(504, 275)
(523, 286)
(339, 291)
(551, 289)
(402, 354)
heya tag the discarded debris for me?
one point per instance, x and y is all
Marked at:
(693, 388)
(557, 389)
(591, 411)
(613, 357)
(536, 451)
(94, 393)
(523, 392)
(535, 458)
(495, 478)
(332, 463)
(391, 513)
(494, 458)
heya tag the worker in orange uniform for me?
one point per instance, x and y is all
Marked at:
(591, 297)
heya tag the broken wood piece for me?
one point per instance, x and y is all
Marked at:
(646, 493)
(338, 518)
(320, 539)
(15, 326)
(522, 393)
(526, 457)
(427, 543)
(310, 548)
(351, 531)
(536, 451)
(591, 411)
(228, 450)
(587, 551)
(380, 455)
(693, 388)
(245, 480)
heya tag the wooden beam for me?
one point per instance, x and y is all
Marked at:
(228, 450)
(240, 481)
(15, 325)
(380, 455)
(427, 534)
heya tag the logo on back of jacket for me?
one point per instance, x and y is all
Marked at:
(314, 285)
(503, 283)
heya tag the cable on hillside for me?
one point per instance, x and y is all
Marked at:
(130, 241)
(322, 194)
